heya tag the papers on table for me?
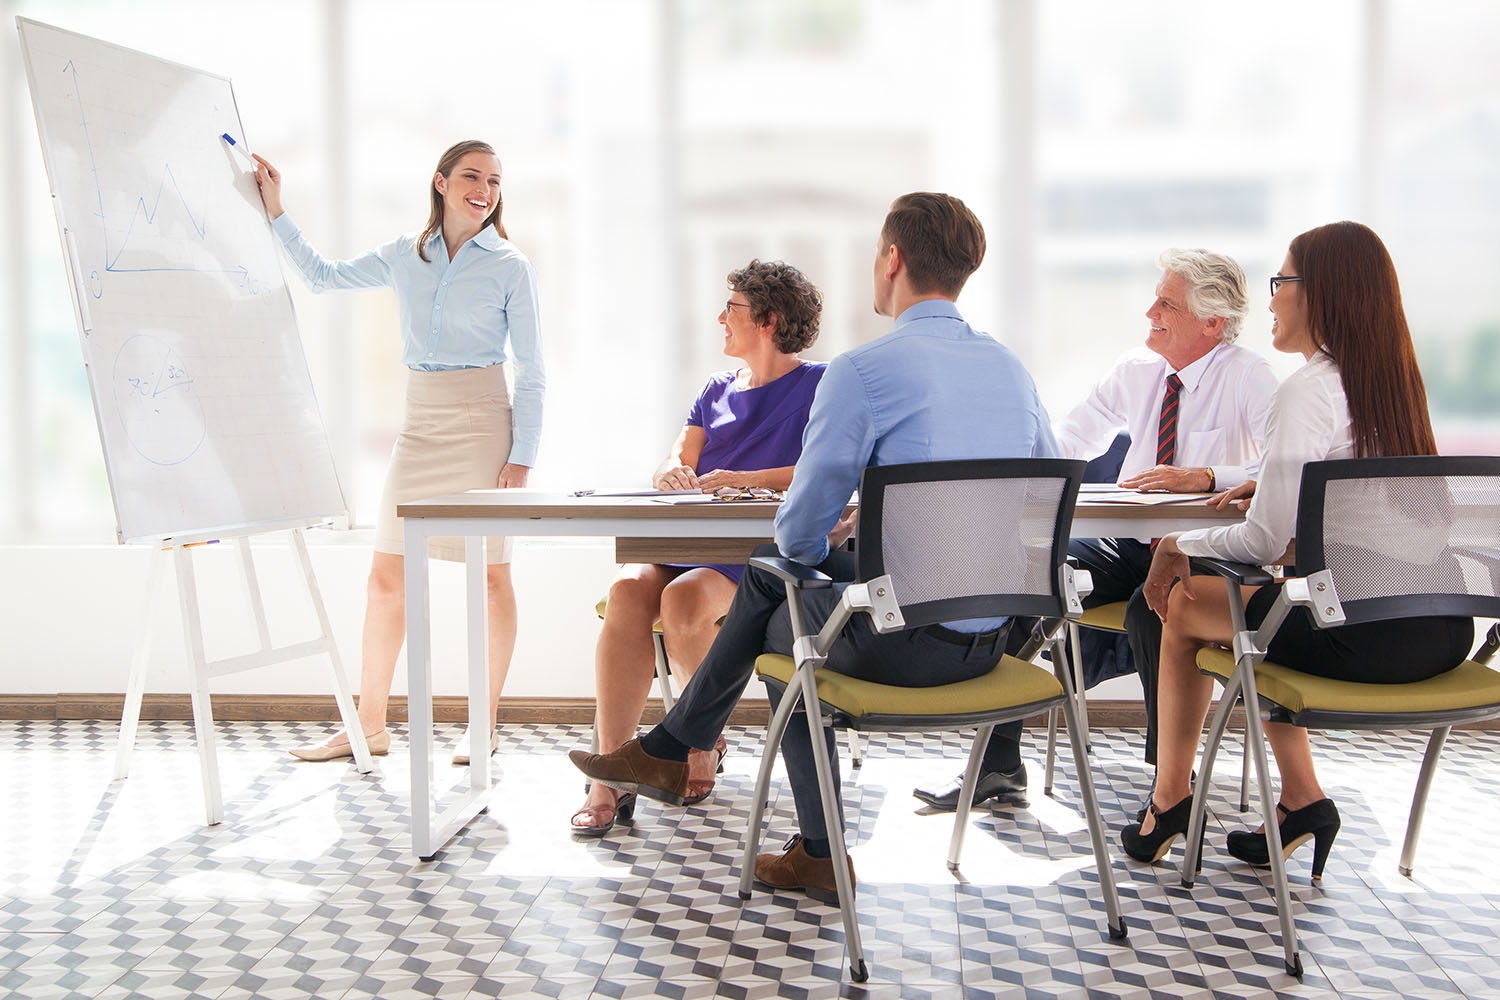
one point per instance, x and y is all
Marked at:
(634, 493)
(1110, 493)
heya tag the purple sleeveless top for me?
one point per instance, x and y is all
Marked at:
(751, 429)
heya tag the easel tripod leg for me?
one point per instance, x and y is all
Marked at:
(203, 718)
(136, 686)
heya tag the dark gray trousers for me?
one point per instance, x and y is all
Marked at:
(759, 622)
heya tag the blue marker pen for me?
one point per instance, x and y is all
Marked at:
(238, 149)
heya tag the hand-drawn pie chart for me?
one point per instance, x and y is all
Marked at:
(154, 396)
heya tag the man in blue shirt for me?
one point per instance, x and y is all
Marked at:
(933, 389)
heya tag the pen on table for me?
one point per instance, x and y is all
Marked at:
(238, 149)
(582, 493)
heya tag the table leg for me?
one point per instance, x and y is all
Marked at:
(419, 687)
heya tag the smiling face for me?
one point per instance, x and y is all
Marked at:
(1290, 331)
(471, 191)
(743, 336)
(1175, 333)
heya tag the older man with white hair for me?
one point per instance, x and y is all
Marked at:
(1194, 403)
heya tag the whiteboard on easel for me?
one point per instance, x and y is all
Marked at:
(205, 405)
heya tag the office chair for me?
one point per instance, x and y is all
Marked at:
(938, 541)
(1377, 539)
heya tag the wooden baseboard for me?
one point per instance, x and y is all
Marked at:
(451, 708)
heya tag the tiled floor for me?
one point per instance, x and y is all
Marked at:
(115, 889)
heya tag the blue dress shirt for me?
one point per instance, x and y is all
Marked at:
(477, 310)
(933, 389)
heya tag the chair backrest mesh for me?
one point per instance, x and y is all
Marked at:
(1398, 542)
(958, 538)
(962, 544)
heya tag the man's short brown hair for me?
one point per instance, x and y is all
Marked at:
(940, 240)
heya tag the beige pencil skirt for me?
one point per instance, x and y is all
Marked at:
(455, 437)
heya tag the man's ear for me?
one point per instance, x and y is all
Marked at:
(893, 262)
(1215, 328)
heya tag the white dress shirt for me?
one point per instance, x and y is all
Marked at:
(1221, 413)
(1308, 422)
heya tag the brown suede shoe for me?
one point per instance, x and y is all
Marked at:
(796, 869)
(631, 769)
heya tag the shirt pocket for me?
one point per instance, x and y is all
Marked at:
(1201, 447)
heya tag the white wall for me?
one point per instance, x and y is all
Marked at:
(73, 616)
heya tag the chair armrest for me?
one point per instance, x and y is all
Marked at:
(793, 573)
(1486, 652)
(1244, 574)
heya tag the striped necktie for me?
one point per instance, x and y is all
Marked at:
(1166, 431)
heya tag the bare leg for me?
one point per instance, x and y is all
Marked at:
(1299, 780)
(625, 661)
(691, 607)
(502, 622)
(1183, 694)
(384, 630)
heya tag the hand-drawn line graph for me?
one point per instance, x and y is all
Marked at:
(140, 210)
(162, 418)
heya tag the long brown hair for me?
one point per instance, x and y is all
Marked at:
(445, 166)
(1354, 313)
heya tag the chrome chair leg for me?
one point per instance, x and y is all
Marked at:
(774, 731)
(1419, 798)
(966, 794)
(1117, 928)
(833, 818)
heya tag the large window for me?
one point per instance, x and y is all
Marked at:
(652, 145)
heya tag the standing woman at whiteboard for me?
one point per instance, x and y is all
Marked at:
(468, 301)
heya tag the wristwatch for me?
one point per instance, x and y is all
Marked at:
(1213, 480)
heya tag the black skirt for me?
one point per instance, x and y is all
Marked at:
(1399, 651)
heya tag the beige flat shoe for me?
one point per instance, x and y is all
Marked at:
(379, 744)
(462, 759)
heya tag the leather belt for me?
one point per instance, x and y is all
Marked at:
(971, 639)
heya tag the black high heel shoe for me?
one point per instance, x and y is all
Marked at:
(1171, 824)
(1318, 822)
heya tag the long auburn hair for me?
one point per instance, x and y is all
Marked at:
(1354, 313)
(445, 166)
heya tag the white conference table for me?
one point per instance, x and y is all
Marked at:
(644, 530)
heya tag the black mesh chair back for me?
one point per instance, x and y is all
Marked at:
(984, 538)
(1404, 537)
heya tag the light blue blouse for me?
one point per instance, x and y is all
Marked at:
(477, 310)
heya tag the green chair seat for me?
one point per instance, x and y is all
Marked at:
(1014, 686)
(1467, 686)
(1109, 617)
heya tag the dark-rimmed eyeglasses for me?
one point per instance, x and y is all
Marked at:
(730, 305)
(1277, 280)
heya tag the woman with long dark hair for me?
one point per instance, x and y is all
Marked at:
(468, 301)
(1336, 301)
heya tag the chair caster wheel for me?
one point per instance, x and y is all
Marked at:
(1119, 933)
(859, 973)
(1295, 969)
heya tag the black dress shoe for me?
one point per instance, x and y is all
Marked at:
(1318, 822)
(1007, 786)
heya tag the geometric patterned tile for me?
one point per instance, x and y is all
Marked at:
(307, 889)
